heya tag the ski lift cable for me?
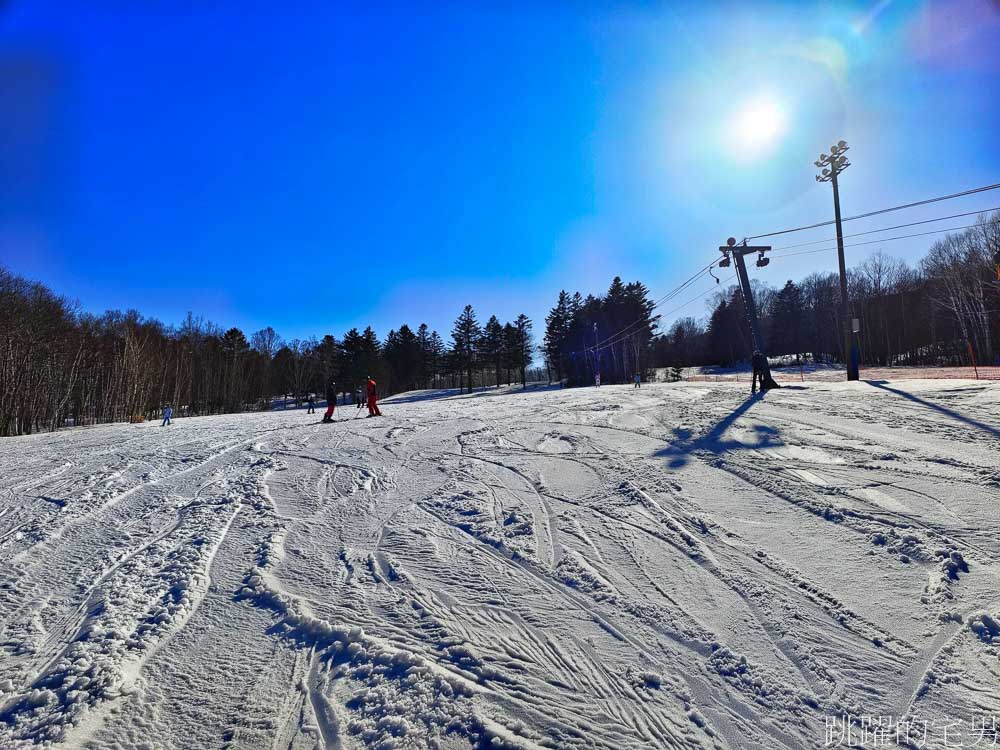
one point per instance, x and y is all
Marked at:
(887, 229)
(875, 242)
(621, 335)
(684, 285)
(697, 297)
(972, 191)
(658, 303)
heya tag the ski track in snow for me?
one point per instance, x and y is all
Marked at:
(679, 566)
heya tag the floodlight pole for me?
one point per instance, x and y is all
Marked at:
(597, 352)
(835, 164)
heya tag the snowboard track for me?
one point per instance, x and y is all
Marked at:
(673, 567)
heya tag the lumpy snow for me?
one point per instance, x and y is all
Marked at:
(680, 566)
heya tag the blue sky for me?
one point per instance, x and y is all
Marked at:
(321, 166)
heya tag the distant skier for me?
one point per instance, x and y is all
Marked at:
(637, 380)
(166, 416)
(373, 410)
(757, 362)
(311, 404)
(597, 380)
(331, 401)
(359, 397)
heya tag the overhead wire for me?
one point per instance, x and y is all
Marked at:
(621, 335)
(875, 242)
(658, 303)
(703, 294)
(888, 229)
(972, 191)
(625, 331)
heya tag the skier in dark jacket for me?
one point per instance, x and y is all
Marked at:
(331, 401)
(311, 404)
(757, 363)
(166, 416)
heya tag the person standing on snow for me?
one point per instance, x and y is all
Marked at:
(166, 416)
(758, 371)
(597, 380)
(331, 401)
(311, 404)
(359, 397)
(638, 381)
(372, 399)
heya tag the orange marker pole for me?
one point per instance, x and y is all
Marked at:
(972, 354)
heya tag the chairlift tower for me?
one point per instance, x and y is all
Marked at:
(737, 252)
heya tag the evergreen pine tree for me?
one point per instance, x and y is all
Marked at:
(525, 345)
(557, 333)
(423, 343)
(435, 356)
(492, 346)
(787, 321)
(352, 365)
(465, 340)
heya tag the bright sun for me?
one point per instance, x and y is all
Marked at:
(755, 127)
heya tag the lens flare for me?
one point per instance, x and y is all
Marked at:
(755, 128)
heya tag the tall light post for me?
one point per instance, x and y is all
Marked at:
(597, 353)
(832, 165)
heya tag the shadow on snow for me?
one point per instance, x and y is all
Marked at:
(883, 385)
(440, 393)
(686, 443)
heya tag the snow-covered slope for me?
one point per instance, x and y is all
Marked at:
(672, 567)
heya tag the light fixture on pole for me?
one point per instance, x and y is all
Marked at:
(831, 165)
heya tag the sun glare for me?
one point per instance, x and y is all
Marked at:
(756, 127)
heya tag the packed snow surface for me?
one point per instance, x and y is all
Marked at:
(681, 566)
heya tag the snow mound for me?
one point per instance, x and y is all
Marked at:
(986, 626)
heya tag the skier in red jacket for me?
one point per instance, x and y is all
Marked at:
(372, 399)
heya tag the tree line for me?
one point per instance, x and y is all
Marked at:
(928, 315)
(59, 365)
(611, 334)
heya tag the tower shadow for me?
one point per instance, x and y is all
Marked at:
(680, 451)
(989, 430)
